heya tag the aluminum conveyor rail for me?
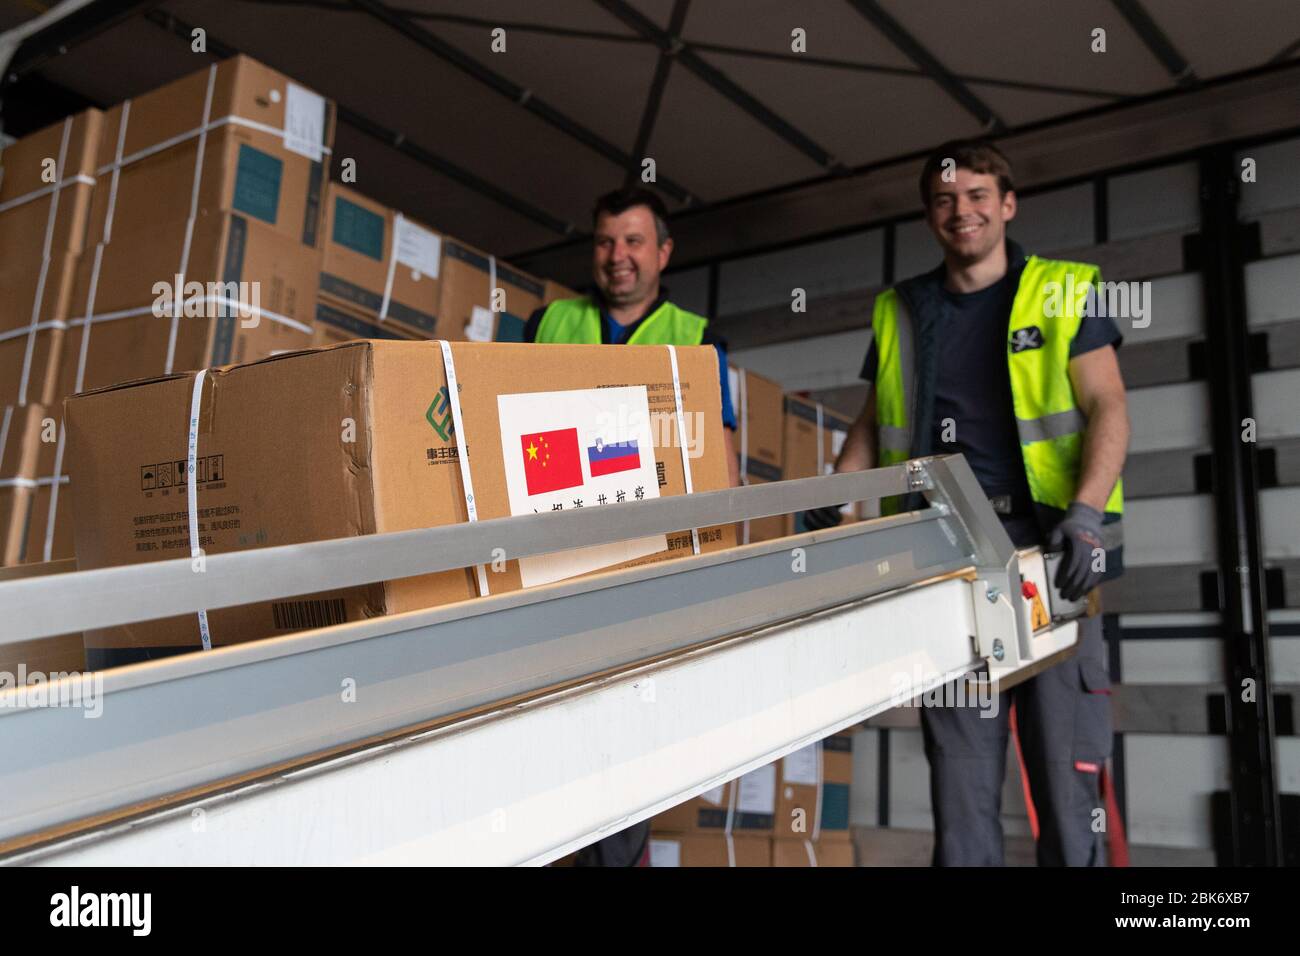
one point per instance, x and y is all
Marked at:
(509, 728)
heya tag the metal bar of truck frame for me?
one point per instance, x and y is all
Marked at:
(752, 652)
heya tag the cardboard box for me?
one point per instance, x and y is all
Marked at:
(814, 435)
(708, 849)
(510, 326)
(809, 853)
(38, 659)
(33, 184)
(334, 325)
(32, 526)
(277, 463)
(750, 802)
(263, 156)
(467, 312)
(371, 249)
(760, 441)
(46, 656)
(552, 290)
(131, 330)
(799, 813)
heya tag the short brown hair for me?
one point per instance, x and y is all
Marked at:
(621, 200)
(977, 155)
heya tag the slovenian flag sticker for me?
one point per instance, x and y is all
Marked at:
(608, 459)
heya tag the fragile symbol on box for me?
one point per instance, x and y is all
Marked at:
(168, 474)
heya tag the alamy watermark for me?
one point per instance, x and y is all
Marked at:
(32, 689)
(209, 300)
(959, 692)
(1118, 300)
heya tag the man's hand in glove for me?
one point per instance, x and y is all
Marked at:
(1078, 535)
(818, 518)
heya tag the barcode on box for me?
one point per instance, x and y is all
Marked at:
(296, 615)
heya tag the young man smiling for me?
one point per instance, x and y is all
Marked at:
(979, 357)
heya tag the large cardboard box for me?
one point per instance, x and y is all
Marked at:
(360, 438)
(708, 849)
(510, 325)
(467, 310)
(373, 253)
(32, 526)
(249, 292)
(800, 814)
(750, 803)
(263, 155)
(814, 435)
(41, 659)
(46, 183)
(335, 325)
(808, 853)
(552, 290)
(760, 440)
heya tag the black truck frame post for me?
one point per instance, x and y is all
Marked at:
(1254, 819)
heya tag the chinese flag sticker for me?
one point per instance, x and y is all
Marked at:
(551, 460)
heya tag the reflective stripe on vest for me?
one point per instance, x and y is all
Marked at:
(578, 321)
(1050, 302)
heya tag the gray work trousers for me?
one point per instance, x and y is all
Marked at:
(1064, 722)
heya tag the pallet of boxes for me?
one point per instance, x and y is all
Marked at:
(760, 444)
(177, 230)
(387, 276)
(814, 435)
(46, 185)
(793, 812)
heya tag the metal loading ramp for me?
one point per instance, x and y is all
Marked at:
(515, 727)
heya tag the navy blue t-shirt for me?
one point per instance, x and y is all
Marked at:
(973, 411)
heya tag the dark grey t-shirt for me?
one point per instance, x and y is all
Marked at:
(973, 413)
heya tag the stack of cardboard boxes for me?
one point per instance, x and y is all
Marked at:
(384, 275)
(814, 435)
(195, 226)
(45, 205)
(780, 437)
(177, 230)
(380, 272)
(760, 443)
(794, 812)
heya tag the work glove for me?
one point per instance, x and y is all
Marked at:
(1078, 534)
(816, 519)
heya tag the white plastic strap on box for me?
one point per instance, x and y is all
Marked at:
(744, 446)
(117, 171)
(25, 378)
(80, 178)
(398, 219)
(810, 844)
(201, 130)
(681, 439)
(4, 430)
(56, 482)
(27, 329)
(32, 483)
(192, 490)
(821, 442)
(449, 368)
(103, 241)
(189, 223)
(817, 812)
(233, 304)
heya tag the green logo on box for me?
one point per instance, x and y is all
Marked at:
(438, 415)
